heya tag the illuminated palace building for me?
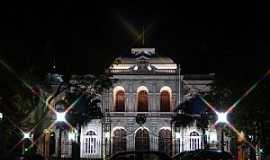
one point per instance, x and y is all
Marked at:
(151, 107)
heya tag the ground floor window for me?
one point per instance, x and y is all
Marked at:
(90, 143)
(119, 140)
(142, 140)
(194, 141)
(165, 141)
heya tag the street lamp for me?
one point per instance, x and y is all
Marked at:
(222, 117)
(1, 135)
(26, 136)
(72, 135)
(223, 120)
(60, 117)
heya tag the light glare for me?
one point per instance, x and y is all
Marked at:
(26, 135)
(60, 117)
(222, 117)
(71, 136)
(107, 134)
(177, 135)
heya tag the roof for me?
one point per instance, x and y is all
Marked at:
(152, 60)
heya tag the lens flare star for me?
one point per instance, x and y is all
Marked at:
(27, 135)
(222, 117)
(60, 116)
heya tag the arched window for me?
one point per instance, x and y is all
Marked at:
(120, 101)
(90, 143)
(66, 144)
(165, 141)
(142, 140)
(142, 101)
(119, 140)
(194, 141)
(165, 101)
(52, 143)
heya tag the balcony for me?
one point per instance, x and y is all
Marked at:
(148, 114)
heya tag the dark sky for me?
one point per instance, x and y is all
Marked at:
(225, 38)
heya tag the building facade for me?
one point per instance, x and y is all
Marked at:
(140, 110)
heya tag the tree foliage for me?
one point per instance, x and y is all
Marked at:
(250, 95)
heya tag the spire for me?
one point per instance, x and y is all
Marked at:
(143, 36)
(53, 65)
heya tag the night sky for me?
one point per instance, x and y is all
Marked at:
(225, 38)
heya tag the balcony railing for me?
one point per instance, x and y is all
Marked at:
(148, 114)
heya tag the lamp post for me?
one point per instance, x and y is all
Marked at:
(1, 135)
(26, 136)
(178, 140)
(222, 119)
(60, 118)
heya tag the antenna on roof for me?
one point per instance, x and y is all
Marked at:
(54, 65)
(143, 36)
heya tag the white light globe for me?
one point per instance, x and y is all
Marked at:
(222, 117)
(27, 135)
(177, 135)
(60, 117)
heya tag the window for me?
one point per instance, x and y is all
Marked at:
(52, 143)
(119, 140)
(165, 101)
(66, 144)
(142, 101)
(142, 140)
(120, 101)
(165, 141)
(194, 141)
(90, 143)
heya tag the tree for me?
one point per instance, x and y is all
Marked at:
(86, 90)
(249, 92)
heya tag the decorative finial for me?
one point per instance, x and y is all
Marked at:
(143, 36)
(54, 64)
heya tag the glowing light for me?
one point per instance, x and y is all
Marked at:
(165, 66)
(60, 116)
(177, 135)
(72, 136)
(27, 135)
(241, 137)
(135, 68)
(1, 116)
(107, 134)
(121, 66)
(149, 67)
(222, 117)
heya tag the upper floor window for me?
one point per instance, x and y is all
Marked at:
(120, 101)
(142, 101)
(165, 99)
